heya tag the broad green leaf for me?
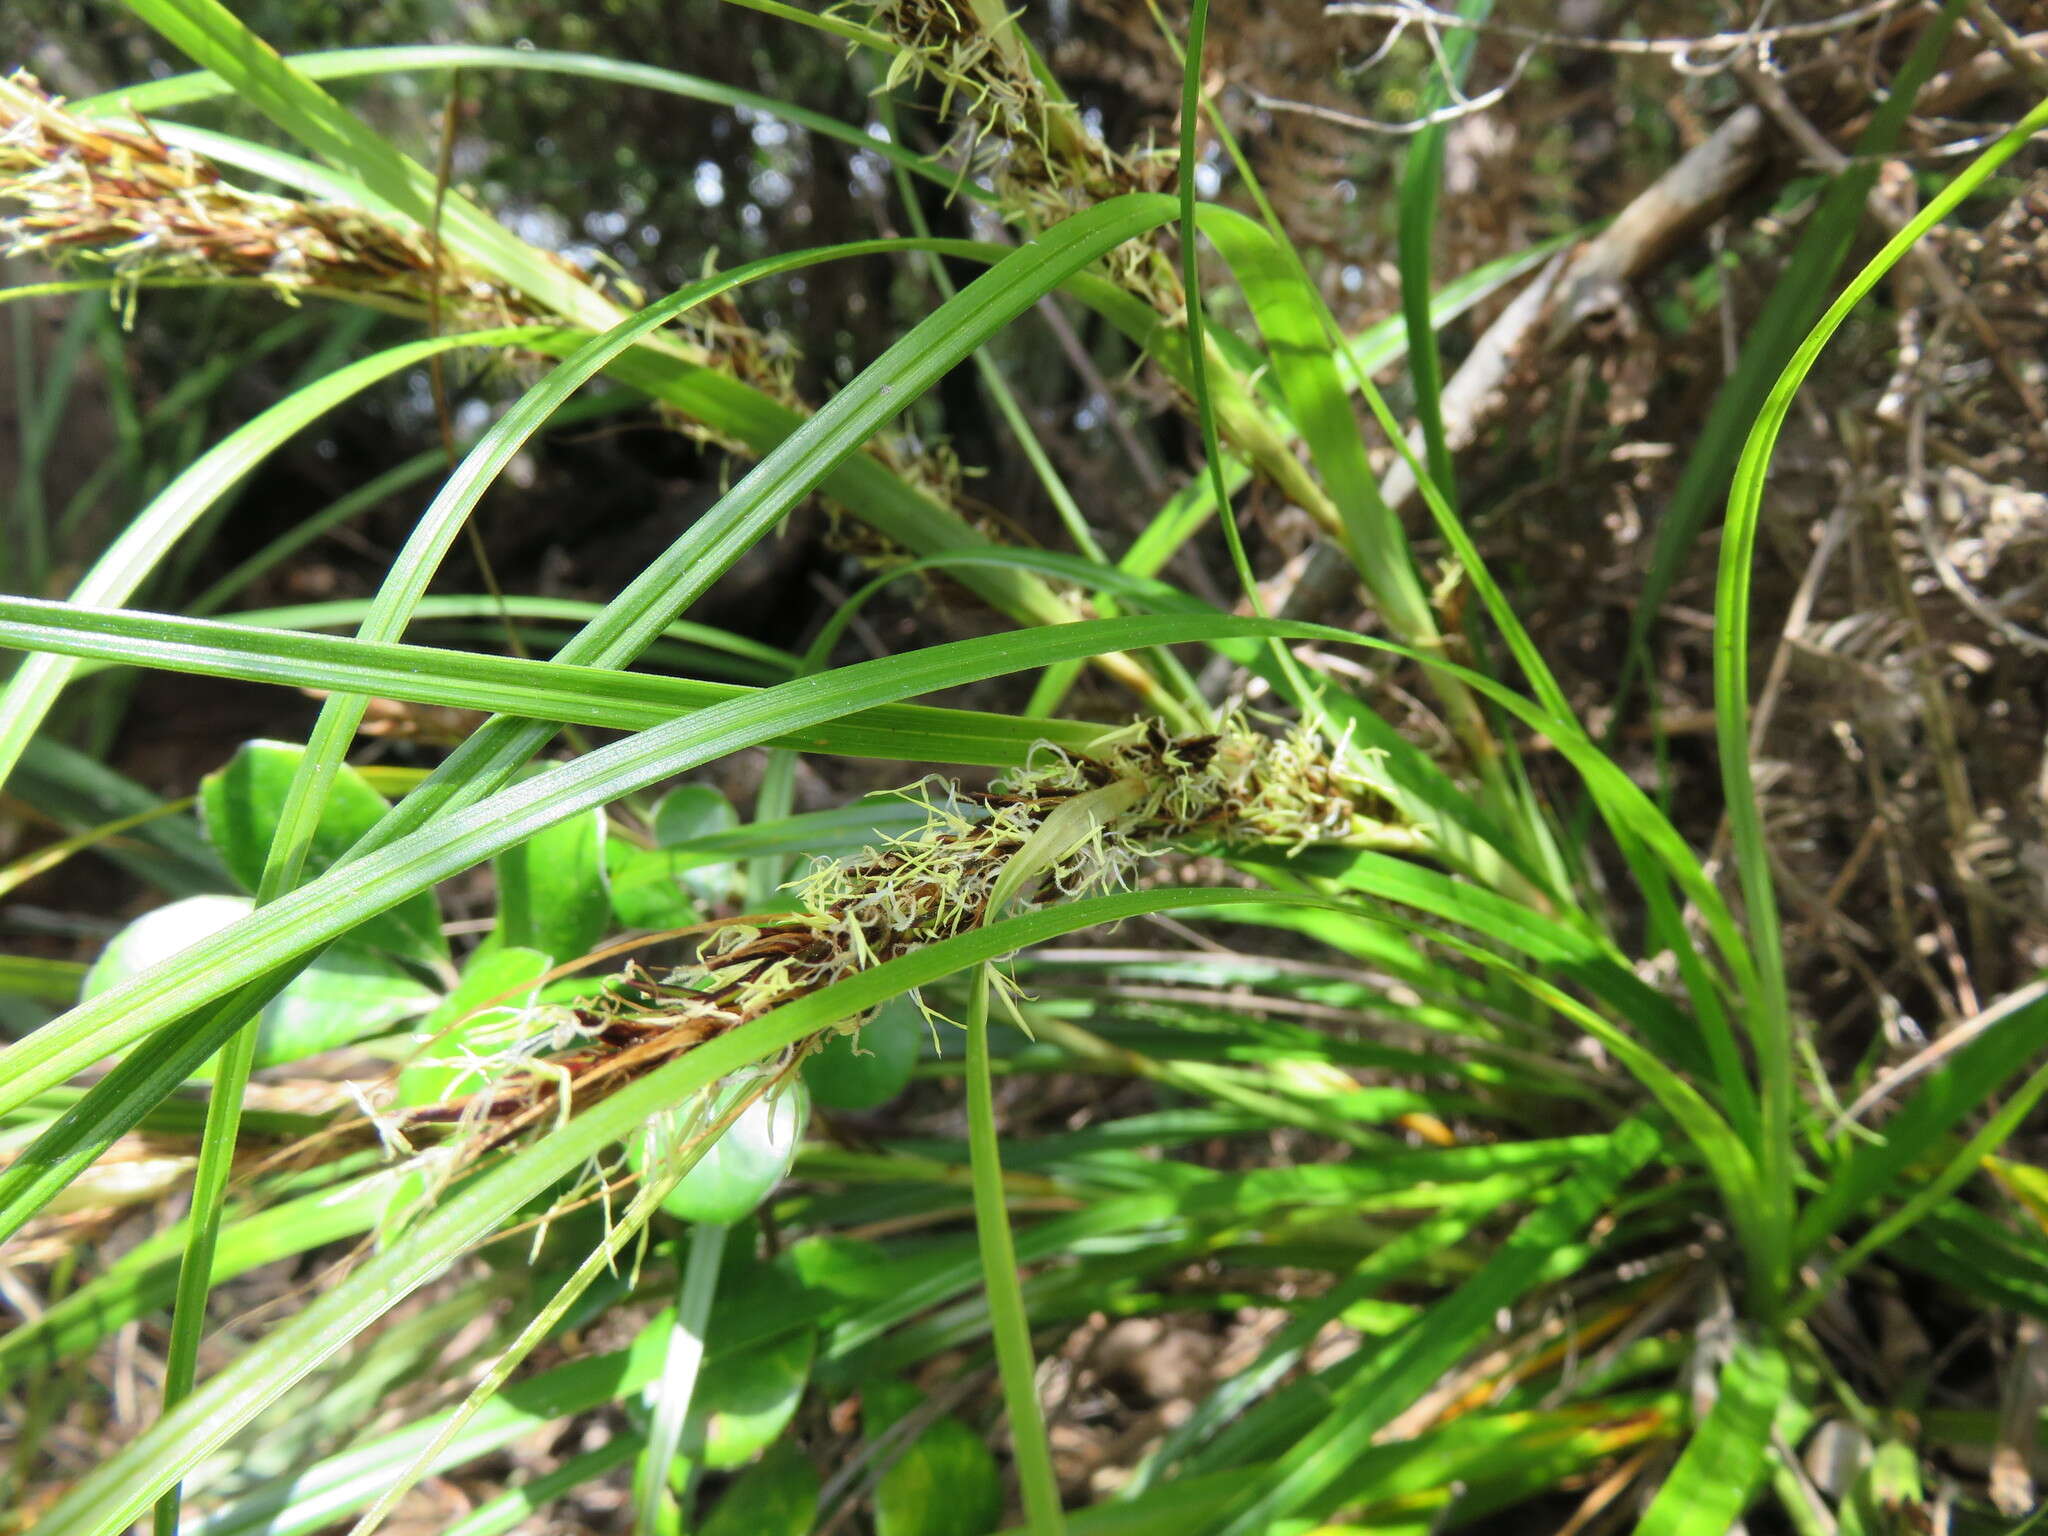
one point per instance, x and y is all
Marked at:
(866, 1068)
(777, 1496)
(239, 806)
(343, 996)
(552, 894)
(743, 1406)
(943, 1483)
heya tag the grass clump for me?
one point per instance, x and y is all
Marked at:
(1436, 1144)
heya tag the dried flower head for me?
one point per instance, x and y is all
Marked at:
(145, 210)
(1063, 825)
(1041, 157)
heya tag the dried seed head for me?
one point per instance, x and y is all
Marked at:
(1080, 824)
(1233, 785)
(1043, 160)
(144, 210)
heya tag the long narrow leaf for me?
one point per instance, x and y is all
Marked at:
(117, 573)
(125, 1483)
(349, 63)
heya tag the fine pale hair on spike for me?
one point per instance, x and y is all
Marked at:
(1148, 794)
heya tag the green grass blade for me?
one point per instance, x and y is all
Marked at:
(1037, 1483)
(1415, 230)
(1967, 1162)
(132, 556)
(1953, 1091)
(1724, 1464)
(1770, 1018)
(553, 691)
(144, 1279)
(819, 452)
(1191, 282)
(799, 464)
(346, 613)
(1547, 1246)
(1434, 1235)
(103, 1502)
(1306, 369)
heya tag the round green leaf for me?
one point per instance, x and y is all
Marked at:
(776, 1497)
(342, 997)
(552, 893)
(742, 1167)
(240, 804)
(870, 1066)
(742, 1407)
(944, 1484)
(645, 887)
(685, 814)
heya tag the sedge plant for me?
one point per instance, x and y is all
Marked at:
(1393, 958)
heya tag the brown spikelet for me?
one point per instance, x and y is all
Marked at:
(143, 210)
(1085, 824)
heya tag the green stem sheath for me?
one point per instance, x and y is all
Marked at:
(1014, 1363)
(678, 1373)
